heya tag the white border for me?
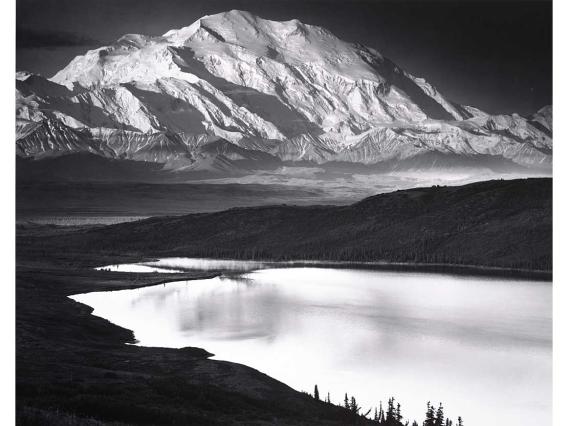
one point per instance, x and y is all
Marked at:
(7, 209)
(7, 240)
(560, 135)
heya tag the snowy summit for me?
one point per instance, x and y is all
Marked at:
(289, 90)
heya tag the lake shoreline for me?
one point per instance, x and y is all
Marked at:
(69, 362)
(72, 363)
(433, 268)
(251, 312)
(96, 360)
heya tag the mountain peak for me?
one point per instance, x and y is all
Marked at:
(230, 19)
(543, 117)
(234, 14)
(288, 89)
(23, 75)
(246, 30)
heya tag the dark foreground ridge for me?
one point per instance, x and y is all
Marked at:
(503, 224)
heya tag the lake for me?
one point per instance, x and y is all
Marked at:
(481, 346)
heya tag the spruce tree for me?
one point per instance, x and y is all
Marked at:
(439, 416)
(390, 412)
(460, 421)
(381, 413)
(346, 402)
(430, 415)
(354, 407)
(316, 393)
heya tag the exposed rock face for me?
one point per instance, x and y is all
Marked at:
(291, 91)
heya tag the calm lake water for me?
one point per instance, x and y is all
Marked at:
(481, 346)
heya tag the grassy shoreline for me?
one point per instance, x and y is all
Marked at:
(72, 364)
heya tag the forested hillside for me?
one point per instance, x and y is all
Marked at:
(496, 223)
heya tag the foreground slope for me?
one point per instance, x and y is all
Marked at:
(73, 368)
(496, 223)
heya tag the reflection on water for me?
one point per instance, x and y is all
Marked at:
(481, 346)
(181, 264)
(136, 267)
(186, 263)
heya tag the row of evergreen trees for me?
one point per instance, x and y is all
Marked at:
(392, 416)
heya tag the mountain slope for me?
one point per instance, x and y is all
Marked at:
(288, 89)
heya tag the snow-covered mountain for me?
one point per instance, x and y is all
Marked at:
(233, 87)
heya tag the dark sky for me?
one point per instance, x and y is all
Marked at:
(493, 55)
